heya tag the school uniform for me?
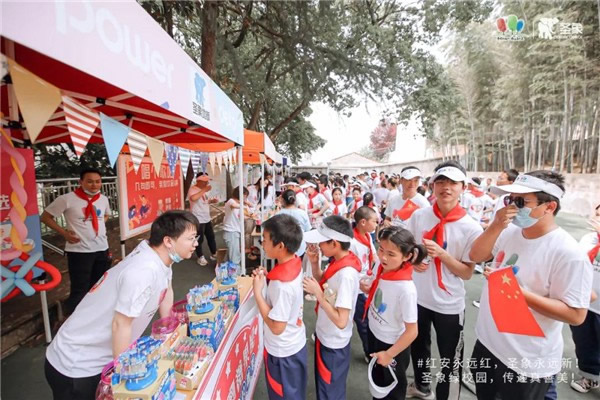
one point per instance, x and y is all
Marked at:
(472, 202)
(400, 210)
(87, 259)
(338, 209)
(392, 303)
(315, 202)
(551, 266)
(201, 210)
(232, 231)
(83, 345)
(327, 193)
(362, 246)
(301, 200)
(441, 295)
(285, 354)
(332, 344)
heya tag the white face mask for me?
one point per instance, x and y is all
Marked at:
(90, 193)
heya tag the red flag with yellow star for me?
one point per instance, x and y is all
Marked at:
(508, 306)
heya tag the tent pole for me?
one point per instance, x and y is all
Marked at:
(262, 209)
(242, 220)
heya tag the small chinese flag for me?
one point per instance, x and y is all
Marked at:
(406, 211)
(508, 306)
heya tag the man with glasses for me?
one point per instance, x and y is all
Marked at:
(119, 307)
(555, 279)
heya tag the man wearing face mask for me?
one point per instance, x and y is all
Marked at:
(119, 307)
(555, 277)
(85, 211)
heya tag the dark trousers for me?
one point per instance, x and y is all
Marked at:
(331, 380)
(286, 376)
(362, 326)
(84, 271)
(65, 388)
(494, 382)
(449, 332)
(206, 230)
(382, 376)
(587, 345)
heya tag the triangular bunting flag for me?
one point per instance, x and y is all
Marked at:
(219, 160)
(184, 156)
(196, 162)
(37, 98)
(234, 154)
(137, 148)
(81, 122)
(262, 158)
(211, 160)
(203, 161)
(156, 149)
(115, 135)
(171, 151)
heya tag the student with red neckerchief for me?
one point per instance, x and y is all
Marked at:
(334, 323)
(317, 203)
(355, 203)
(86, 211)
(365, 223)
(338, 205)
(448, 234)
(401, 207)
(323, 183)
(281, 309)
(392, 307)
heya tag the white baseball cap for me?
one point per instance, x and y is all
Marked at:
(529, 184)
(379, 392)
(452, 173)
(410, 173)
(323, 233)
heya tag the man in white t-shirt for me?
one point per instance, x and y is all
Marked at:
(506, 177)
(472, 200)
(555, 278)
(448, 233)
(401, 208)
(200, 207)
(86, 211)
(374, 181)
(118, 308)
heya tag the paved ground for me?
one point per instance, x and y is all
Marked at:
(23, 376)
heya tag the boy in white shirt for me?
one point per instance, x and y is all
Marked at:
(555, 279)
(118, 308)
(85, 210)
(231, 225)
(400, 208)
(281, 310)
(365, 220)
(335, 306)
(448, 233)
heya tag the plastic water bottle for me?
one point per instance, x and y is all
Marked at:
(330, 294)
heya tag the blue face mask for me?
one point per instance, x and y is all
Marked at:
(175, 257)
(523, 219)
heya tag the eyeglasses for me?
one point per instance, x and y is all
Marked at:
(519, 202)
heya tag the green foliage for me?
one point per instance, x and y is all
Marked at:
(59, 161)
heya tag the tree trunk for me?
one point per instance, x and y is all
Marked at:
(253, 124)
(210, 14)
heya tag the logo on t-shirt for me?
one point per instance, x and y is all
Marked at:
(100, 281)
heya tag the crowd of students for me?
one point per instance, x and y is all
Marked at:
(399, 249)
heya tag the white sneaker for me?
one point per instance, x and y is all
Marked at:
(213, 257)
(413, 393)
(479, 268)
(584, 385)
(476, 303)
(202, 261)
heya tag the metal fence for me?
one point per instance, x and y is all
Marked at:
(49, 189)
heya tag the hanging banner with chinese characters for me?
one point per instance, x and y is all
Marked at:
(146, 195)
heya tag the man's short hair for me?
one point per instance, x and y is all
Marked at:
(284, 229)
(552, 177)
(172, 224)
(363, 212)
(305, 175)
(88, 171)
(341, 225)
(511, 174)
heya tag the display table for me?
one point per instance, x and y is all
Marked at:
(233, 371)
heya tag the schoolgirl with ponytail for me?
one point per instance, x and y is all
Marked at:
(392, 307)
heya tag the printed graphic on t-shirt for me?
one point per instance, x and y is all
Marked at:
(299, 320)
(379, 306)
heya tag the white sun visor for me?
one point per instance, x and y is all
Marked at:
(323, 234)
(452, 173)
(410, 173)
(379, 392)
(529, 184)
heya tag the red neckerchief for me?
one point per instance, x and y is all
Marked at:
(437, 235)
(406, 211)
(371, 205)
(89, 211)
(476, 192)
(310, 201)
(404, 273)
(355, 206)
(594, 251)
(286, 272)
(365, 239)
(335, 210)
(349, 260)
